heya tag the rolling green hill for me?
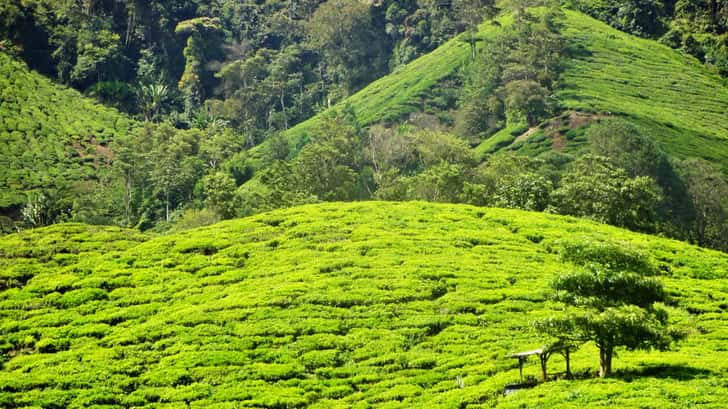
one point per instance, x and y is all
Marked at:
(50, 136)
(667, 94)
(337, 305)
(671, 95)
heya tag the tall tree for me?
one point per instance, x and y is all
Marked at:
(593, 187)
(349, 42)
(708, 194)
(470, 13)
(202, 45)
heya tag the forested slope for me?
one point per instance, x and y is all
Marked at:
(51, 137)
(670, 95)
(334, 305)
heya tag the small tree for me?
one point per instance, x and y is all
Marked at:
(609, 305)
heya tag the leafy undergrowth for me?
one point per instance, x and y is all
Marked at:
(50, 136)
(670, 95)
(391, 305)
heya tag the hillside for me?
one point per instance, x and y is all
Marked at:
(50, 136)
(335, 305)
(396, 95)
(669, 95)
(393, 96)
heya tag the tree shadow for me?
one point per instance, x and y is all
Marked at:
(663, 371)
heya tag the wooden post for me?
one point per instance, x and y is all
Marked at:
(520, 366)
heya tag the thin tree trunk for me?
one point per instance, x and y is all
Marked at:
(567, 357)
(127, 200)
(605, 362)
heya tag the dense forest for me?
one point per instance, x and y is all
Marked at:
(209, 93)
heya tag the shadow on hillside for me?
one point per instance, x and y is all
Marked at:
(664, 371)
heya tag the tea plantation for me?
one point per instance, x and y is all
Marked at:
(50, 136)
(334, 306)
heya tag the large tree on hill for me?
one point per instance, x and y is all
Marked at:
(610, 302)
(351, 46)
(707, 191)
(203, 44)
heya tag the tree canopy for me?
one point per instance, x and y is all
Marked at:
(609, 304)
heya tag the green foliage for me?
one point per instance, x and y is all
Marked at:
(614, 256)
(510, 80)
(202, 45)
(593, 187)
(219, 191)
(604, 288)
(639, 17)
(617, 306)
(707, 191)
(333, 305)
(343, 31)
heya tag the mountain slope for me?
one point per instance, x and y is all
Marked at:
(669, 95)
(50, 136)
(335, 305)
(404, 91)
(680, 102)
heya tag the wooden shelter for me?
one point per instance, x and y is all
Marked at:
(543, 355)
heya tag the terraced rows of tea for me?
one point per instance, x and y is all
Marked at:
(50, 136)
(336, 305)
(669, 94)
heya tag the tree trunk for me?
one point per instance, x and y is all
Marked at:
(544, 358)
(567, 357)
(127, 200)
(605, 361)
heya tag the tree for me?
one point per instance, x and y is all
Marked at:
(511, 181)
(152, 98)
(98, 50)
(174, 166)
(626, 147)
(322, 172)
(610, 305)
(470, 13)
(219, 190)
(593, 187)
(526, 101)
(707, 191)
(201, 45)
(388, 151)
(343, 31)
(440, 183)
